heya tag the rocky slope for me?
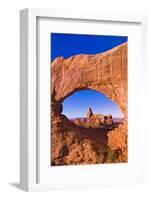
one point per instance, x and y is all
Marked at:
(72, 144)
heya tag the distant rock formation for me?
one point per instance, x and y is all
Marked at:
(95, 120)
(102, 119)
(89, 113)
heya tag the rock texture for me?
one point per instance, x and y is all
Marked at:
(100, 119)
(72, 144)
(95, 120)
(105, 72)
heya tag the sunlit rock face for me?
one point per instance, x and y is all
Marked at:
(95, 120)
(105, 72)
(89, 113)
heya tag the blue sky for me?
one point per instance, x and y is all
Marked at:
(67, 45)
(77, 104)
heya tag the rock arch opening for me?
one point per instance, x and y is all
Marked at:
(92, 109)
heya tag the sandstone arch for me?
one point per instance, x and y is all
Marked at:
(105, 72)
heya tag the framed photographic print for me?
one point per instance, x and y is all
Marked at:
(81, 81)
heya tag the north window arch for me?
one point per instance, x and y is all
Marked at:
(105, 72)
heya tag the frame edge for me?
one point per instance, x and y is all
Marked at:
(27, 33)
(24, 99)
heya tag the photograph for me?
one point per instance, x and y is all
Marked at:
(89, 99)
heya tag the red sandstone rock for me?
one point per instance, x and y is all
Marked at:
(106, 73)
(89, 113)
(117, 139)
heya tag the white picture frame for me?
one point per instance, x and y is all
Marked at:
(28, 92)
